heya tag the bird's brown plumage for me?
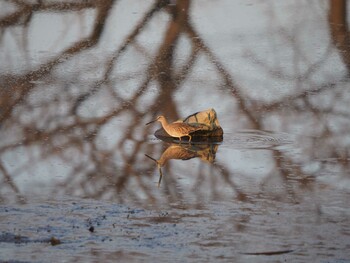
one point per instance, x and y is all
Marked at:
(176, 129)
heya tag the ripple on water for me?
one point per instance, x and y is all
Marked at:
(256, 139)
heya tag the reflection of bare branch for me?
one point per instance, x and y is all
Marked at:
(226, 176)
(22, 16)
(288, 100)
(7, 180)
(228, 80)
(24, 84)
(278, 73)
(339, 28)
(110, 64)
(113, 169)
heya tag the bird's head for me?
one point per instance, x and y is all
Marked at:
(159, 118)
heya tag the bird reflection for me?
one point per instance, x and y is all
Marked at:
(206, 152)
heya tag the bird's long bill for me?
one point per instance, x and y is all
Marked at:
(151, 158)
(151, 122)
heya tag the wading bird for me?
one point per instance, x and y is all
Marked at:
(176, 129)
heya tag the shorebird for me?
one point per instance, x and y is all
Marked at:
(176, 129)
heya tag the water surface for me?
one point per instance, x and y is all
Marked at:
(78, 83)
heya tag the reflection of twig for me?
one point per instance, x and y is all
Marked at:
(287, 100)
(278, 73)
(199, 44)
(8, 181)
(159, 4)
(338, 24)
(24, 84)
(115, 172)
(114, 57)
(225, 174)
(289, 173)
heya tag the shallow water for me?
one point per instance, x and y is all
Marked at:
(256, 229)
(79, 179)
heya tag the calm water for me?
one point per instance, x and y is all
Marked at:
(78, 83)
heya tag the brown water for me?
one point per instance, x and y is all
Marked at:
(78, 83)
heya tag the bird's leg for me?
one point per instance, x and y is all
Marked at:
(180, 139)
(189, 141)
(160, 175)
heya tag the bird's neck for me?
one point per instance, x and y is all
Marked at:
(164, 123)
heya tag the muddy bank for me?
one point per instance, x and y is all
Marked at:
(261, 230)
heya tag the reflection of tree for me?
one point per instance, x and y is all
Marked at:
(19, 87)
(54, 121)
(338, 25)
